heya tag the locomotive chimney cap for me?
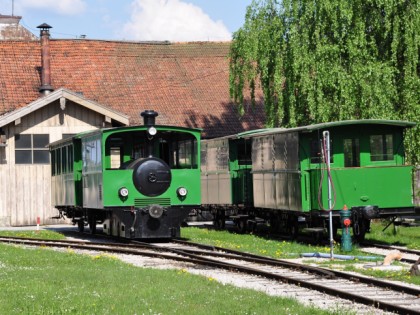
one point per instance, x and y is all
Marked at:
(149, 117)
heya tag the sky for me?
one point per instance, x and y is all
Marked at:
(138, 20)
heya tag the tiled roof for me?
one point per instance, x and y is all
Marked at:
(187, 83)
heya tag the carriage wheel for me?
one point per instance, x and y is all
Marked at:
(81, 225)
(220, 223)
(92, 224)
(274, 224)
(241, 225)
(294, 230)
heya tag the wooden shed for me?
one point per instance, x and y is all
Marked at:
(25, 173)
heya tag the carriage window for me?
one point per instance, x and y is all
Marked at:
(316, 151)
(91, 155)
(244, 153)
(62, 160)
(71, 158)
(53, 161)
(351, 152)
(381, 148)
(32, 149)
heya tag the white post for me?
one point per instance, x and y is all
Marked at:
(326, 138)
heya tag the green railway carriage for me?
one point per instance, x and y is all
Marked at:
(140, 181)
(295, 180)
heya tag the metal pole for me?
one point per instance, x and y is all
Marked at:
(326, 138)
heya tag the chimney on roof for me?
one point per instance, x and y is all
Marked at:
(45, 87)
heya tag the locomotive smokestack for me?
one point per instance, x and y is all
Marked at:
(45, 87)
(149, 117)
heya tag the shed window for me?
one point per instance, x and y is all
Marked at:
(381, 148)
(32, 149)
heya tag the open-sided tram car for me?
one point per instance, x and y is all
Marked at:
(281, 175)
(140, 181)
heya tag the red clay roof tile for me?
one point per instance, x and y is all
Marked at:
(187, 83)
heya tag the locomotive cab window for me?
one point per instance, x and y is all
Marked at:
(184, 154)
(381, 148)
(178, 150)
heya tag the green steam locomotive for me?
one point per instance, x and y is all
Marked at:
(140, 182)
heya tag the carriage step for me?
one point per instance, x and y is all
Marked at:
(256, 221)
(239, 216)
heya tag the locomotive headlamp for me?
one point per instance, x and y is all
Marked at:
(182, 191)
(152, 131)
(123, 192)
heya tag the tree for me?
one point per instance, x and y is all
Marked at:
(318, 61)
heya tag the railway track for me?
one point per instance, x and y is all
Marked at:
(382, 295)
(409, 255)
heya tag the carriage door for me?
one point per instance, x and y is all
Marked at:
(351, 152)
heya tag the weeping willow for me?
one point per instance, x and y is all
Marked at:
(318, 61)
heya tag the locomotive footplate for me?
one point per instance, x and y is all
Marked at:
(149, 222)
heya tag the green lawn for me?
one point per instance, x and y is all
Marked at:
(400, 235)
(42, 281)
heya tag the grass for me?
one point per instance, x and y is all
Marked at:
(41, 234)
(398, 235)
(41, 281)
(260, 245)
(264, 245)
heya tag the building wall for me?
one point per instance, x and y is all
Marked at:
(25, 192)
